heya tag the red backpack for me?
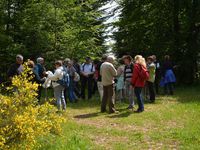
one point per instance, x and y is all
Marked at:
(144, 73)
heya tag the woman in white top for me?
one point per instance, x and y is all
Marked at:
(58, 89)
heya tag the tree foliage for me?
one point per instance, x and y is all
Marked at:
(53, 29)
(161, 27)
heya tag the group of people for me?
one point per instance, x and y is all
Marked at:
(127, 81)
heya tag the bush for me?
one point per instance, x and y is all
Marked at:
(22, 120)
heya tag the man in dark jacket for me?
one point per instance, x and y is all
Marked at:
(16, 68)
(39, 71)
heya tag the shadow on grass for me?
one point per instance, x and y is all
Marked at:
(121, 114)
(85, 116)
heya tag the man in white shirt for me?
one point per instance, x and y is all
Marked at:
(108, 73)
(87, 73)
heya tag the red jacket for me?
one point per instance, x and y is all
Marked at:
(136, 81)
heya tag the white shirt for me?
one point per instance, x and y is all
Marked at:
(87, 68)
(58, 75)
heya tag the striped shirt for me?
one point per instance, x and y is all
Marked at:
(128, 72)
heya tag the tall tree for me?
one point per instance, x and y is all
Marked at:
(161, 27)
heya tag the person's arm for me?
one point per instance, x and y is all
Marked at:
(73, 71)
(37, 76)
(100, 70)
(113, 71)
(82, 71)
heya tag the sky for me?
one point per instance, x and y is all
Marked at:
(110, 7)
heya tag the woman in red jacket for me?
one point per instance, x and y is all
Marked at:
(137, 81)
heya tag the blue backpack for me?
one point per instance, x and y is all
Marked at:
(65, 80)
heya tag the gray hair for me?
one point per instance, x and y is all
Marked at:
(40, 60)
(110, 59)
(19, 56)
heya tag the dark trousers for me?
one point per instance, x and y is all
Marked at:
(138, 91)
(108, 94)
(66, 94)
(77, 89)
(151, 91)
(86, 81)
(94, 86)
(39, 92)
(169, 88)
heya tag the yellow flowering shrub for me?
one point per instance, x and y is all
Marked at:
(22, 120)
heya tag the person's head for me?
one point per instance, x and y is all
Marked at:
(150, 59)
(87, 60)
(140, 60)
(66, 61)
(121, 61)
(70, 63)
(75, 60)
(154, 58)
(40, 60)
(127, 59)
(104, 58)
(110, 59)
(58, 64)
(96, 61)
(167, 57)
(19, 59)
(30, 64)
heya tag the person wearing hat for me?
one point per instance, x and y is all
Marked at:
(87, 72)
(16, 68)
(150, 83)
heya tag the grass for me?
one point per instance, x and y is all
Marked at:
(171, 123)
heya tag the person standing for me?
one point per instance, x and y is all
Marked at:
(157, 74)
(99, 83)
(87, 73)
(150, 83)
(128, 72)
(108, 73)
(39, 71)
(120, 80)
(137, 81)
(16, 68)
(168, 77)
(76, 65)
(58, 88)
(71, 71)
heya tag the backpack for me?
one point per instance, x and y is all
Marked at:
(65, 79)
(144, 73)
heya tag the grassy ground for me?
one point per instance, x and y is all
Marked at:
(171, 123)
